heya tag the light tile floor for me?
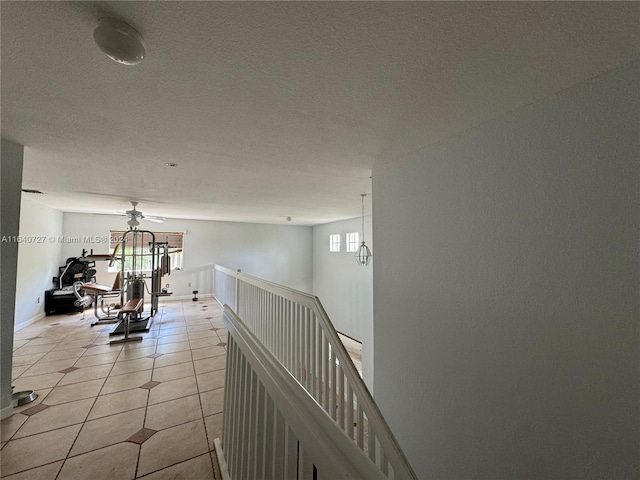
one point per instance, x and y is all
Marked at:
(140, 410)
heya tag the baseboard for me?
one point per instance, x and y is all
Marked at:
(185, 297)
(6, 412)
(222, 463)
(26, 323)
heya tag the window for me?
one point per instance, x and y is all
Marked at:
(334, 242)
(143, 254)
(352, 242)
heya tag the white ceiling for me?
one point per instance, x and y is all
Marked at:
(276, 109)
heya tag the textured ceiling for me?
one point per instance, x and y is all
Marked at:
(276, 109)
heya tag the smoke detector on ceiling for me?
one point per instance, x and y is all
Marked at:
(119, 41)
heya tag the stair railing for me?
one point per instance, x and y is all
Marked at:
(272, 428)
(294, 327)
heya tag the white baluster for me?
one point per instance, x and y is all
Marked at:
(384, 463)
(349, 407)
(326, 369)
(269, 438)
(295, 341)
(315, 351)
(372, 442)
(307, 349)
(341, 398)
(252, 437)
(280, 447)
(290, 454)
(261, 431)
(334, 385)
(360, 426)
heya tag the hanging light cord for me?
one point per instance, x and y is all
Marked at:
(363, 195)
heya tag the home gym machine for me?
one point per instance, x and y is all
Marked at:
(137, 265)
(142, 261)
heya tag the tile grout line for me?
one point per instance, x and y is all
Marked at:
(146, 407)
(112, 364)
(43, 400)
(88, 413)
(45, 431)
(201, 418)
(206, 431)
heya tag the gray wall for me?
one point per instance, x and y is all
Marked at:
(10, 184)
(346, 288)
(506, 292)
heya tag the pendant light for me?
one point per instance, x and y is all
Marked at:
(363, 255)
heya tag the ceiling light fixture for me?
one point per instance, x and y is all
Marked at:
(363, 255)
(119, 40)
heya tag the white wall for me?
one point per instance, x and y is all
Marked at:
(506, 292)
(281, 254)
(346, 288)
(38, 259)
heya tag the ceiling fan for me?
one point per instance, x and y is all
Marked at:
(135, 214)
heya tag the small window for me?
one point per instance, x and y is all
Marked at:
(334, 242)
(175, 247)
(352, 242)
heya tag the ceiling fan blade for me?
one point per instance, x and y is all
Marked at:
(134, 215)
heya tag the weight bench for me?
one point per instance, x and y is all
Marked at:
(99, 292)
(132, 307)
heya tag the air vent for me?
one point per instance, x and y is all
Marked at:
(29, 190)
